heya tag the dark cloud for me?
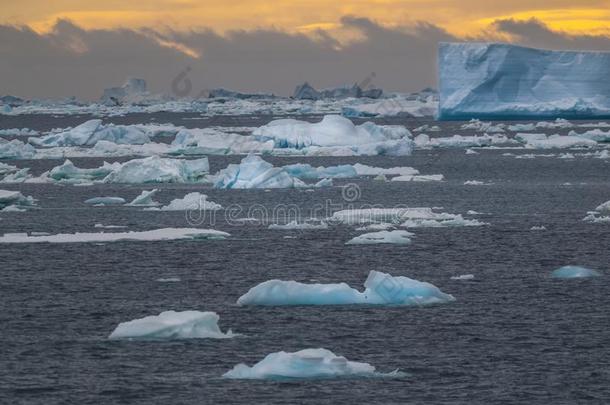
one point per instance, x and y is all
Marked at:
(72, 61)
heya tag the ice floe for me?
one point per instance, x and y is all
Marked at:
(163, 234)
(172, 325)
(191, 201)
(380, 289)
(145, 199)
(463, 277)
(105, 201)
(296, 226)
(396, 237)
(574, 272)
(388, 215)
(254, 172)
(306, 364)
(16, 149)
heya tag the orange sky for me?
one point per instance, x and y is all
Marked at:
(462, 17)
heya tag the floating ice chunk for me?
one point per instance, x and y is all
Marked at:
(477, 125)
(169, 280)
(216, 142)
(18, 132)
(560, 142)
(364, 170)
(69, 173)
(305, 171)
(254, 172)
(105, 201)
(155, 169)
(483, 80)
(393, 237)
(393, 107)
(145, 199)
(427, 128)
(14, 201)
(104, 227)
(16, 149)
(463, 277)
(192, 201)
(294, 225)
(596, 135)
(77, 136)
(595, 218)
(306, 364)
(154, 235)
(522, 127)
(471, 152)
(559, 123)
(574, 272)
(460, 141)
(332, 131)
(172, 325)
(476, 183)
(530, 137)
(456, 221)
(420, 178)
(380, 289)
(324, 183)
(605, 207)
(376, 227)
(538, 228)
(388, 215)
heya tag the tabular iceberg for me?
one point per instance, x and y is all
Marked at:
(380, 289)
(373, 238)
(308, 363)
(172, 325)
(105, 201)
(494, 81)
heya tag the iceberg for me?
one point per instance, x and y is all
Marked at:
(16, 149)
(574, 272)
(134, 90)
(495, 81)
(14, 201)
(191, 201)
(163, 234)
(463, 277)
(420, 178)
(254, 172)
(392, 237)
(336, 131)
(306, 171)
(558, 142)
(172, 325)
(380, 289)
(105, 201)
(145, 199)
(214, 142)
(596, 135)
(605, 207)
(153, 169)
(387, 215)
(306, 364)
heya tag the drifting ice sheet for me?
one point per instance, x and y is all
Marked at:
(574, 272)
(380, 289)
(308, 363)
(172, 325)
(373, 238)
(154, 235)
(482, 80)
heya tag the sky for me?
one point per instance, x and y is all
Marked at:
(70, 47)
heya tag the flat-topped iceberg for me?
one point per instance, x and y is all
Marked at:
(574, 272)
(153, 169)
(305, 364)
(380, 289)
(163, 234)
(14, 201)
(172, 325)
(387, 215)
(488, 80)
(296, 226)
(373, 238)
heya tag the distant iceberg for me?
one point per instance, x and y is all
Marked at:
(495, 81)
(145, 199)
(191, 201)
(254, 172)
(574, 272)
(101, 237)
(380, 289)
(296, 226)
(306, 91)
(306, 364)
(132, 91)
(172, 325)
(16, 149)
(105, 201)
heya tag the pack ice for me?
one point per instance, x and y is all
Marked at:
(380, 289)
(172, 325)
(305, 364)
(490, 80)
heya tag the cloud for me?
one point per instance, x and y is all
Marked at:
(70, 60)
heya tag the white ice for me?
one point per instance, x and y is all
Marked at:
(105, 201)
(191, 201)
(145, 199)
(382, 237)
(172, 325)
(574, 272)
(15, 201)
(380, 289)
(294, 226)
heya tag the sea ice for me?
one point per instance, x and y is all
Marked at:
(145, 199)
(393, 237)
(574, 272)
(254, 172)
(306, 364)
(387, 215)
(380, 289)
(294, 225)
(191, 201)
(105, 201)
(463, 277)
(81, 237)
(172, 325)
(14, 201)
(16, 149)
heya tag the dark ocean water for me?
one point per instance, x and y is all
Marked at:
(514, 335)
